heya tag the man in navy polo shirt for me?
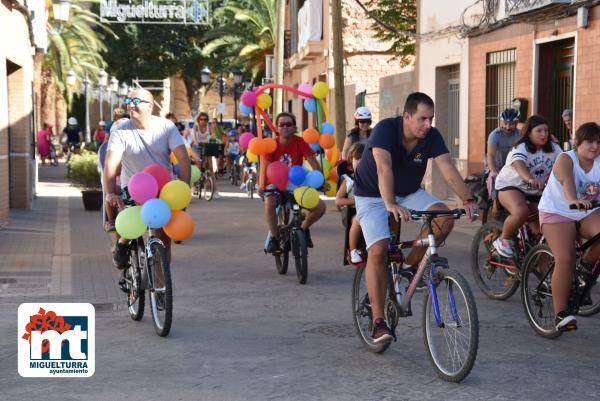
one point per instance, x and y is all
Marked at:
(388, 180)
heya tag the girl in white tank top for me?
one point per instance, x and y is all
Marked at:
(575, 180)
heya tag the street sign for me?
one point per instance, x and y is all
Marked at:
(175, 12)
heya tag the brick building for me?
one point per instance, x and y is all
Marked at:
(309, 57)
(17, 162)
(541, 53)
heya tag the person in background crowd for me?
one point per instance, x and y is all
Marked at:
(361, 131)
(99, 134)
(44, 142)
(500, 142)
(74, 136)
(119, 115)
(567, 117)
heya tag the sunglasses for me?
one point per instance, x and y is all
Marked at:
(203, 119)
(284, 125)
(364, 121)
(135, 101)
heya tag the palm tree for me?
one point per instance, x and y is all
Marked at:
(76, 46)
(246, 31)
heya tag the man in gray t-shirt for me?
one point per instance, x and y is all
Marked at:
(502, 140)
(135, 144)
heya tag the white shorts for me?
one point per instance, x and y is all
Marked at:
(373, 216)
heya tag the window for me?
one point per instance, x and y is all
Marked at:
(499, 85)
(360, 99)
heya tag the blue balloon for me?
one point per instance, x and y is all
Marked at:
(315, 146)
(314, 179)
(328, 128)
(176, 168)
(296, 175)
(246, 109)
(156, 213)
(310, 105)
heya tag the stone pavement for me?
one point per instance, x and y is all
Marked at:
(243, 332)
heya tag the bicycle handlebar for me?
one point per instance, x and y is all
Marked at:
(455, 213)
(595, 204)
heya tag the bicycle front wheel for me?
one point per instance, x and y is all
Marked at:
(208, 188)
(362, 314)
(536, 291)
(495, 281)
(451, 342)
(136, 296)
(161, 291)
(300, 251)
(591, 305)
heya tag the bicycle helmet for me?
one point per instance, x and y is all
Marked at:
(510, 114)
(362, 113)
(72, 121)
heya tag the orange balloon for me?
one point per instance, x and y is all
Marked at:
(311, 135)
(180, 227)
(333, 175)
(333, 155)
(270, 145)
(327, 141)
(256, 146)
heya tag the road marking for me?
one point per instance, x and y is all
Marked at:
(60, 282)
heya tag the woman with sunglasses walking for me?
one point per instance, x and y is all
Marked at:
(360, 133)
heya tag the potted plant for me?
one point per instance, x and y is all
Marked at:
(83, 173)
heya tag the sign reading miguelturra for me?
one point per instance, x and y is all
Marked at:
(179, 12)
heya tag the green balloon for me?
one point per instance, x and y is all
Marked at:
(129, 223)
(195, 174)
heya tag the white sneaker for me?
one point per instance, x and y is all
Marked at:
(504, 247)
(217, 195)
(356, 256)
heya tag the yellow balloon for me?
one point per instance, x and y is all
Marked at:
(332, 189)
(306, 197)
(264, 101)
(320, 90)
(251, 157)
(177, 194)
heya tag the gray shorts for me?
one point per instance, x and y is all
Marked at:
(373, 216)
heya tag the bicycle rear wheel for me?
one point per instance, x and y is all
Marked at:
(208, 188)
(136, 296)
(250, 187)
(282, 258)
(495, 282)
(300, 251)
(536, 291)
(593, 306)
(161, 291)
(362, 315)
(452, 343)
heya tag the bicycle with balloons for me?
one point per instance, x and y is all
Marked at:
(296, 187)
(153, 202)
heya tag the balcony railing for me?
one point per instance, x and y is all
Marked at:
(514, 7)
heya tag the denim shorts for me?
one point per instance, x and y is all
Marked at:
(373, 216)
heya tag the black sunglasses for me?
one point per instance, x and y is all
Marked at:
(364, 121)
(135, 101)
(283, 125)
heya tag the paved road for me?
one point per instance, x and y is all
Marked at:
(243, 332)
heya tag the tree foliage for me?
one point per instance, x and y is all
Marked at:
(391, 20)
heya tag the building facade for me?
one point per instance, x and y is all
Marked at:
(17, 155)
(309, 57)
(538, 56)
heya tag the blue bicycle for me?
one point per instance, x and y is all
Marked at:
(450, 323)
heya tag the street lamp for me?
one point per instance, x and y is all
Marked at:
(123, 91)
(205, 76)
(86, 89)
(71, 78)
(112, 91)
(61, 10)
(221, 90)
(237, 80)
(102, 83)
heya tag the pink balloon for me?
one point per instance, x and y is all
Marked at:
(277, 173)
(142, 187)
(249, 98)
(245, 139)
(306, 88)
(160, 173)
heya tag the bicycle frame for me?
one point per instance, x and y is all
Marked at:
(431, 260)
